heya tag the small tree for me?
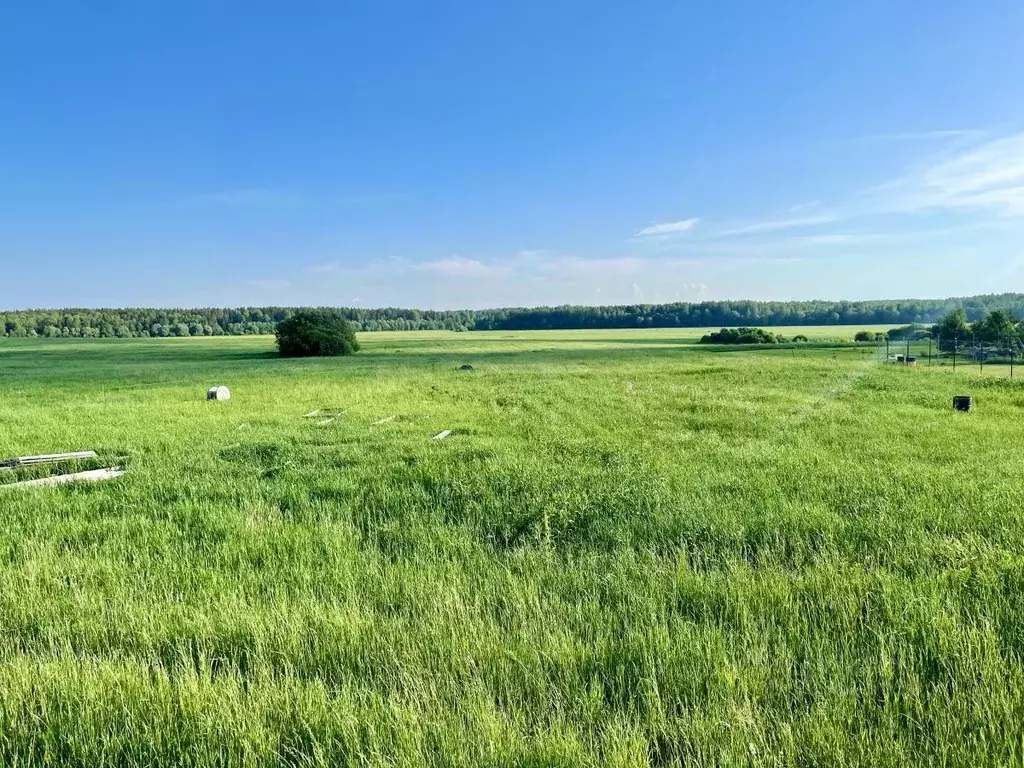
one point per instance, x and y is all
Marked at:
(953, 324)
(316, 333)
(996, 326)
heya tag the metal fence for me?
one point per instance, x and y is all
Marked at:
(1002, 357)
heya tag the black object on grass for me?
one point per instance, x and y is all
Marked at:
(963, 403)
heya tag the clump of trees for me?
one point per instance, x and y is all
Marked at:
(316, 333)
(997, 327)
(742, 335)
(869, 336)
(126, 323)
(912, 332)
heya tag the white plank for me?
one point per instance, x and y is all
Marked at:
(441, 435)
(92, 476)
(51, 458)
(387, 420)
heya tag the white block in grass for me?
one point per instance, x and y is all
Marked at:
(218, 393)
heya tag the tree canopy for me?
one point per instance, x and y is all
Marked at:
(316, 333)
(716, 314)
(742, 336)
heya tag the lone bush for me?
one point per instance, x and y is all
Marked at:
(741, 336)
(316, 333)
(913, 332)
(800, 338)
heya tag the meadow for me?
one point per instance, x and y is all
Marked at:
(631, 550)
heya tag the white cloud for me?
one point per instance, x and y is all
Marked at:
(987, 177)
(773, 225)
(246, 198)
(921, 135)
(271, 283)
(324, 268)
(569, 267)
(457, 266)
(810, 204)
(668, 228)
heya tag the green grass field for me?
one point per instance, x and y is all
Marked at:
(632, 550)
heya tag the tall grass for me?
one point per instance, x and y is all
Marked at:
(631, 551)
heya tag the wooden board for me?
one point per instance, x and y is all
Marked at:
(92, 476)
(49, 458)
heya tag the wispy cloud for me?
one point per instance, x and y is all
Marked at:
(322, 269)
(988, 177)
(922, 135)
(668, 228)
(246, 198)
(565, 266)
(985, 179)
(371, 198)
(457, 266)
(773, 225)
(274, 283)
(809, 205)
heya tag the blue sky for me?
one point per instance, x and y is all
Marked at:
(467, 154)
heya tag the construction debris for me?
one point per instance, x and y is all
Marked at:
(386, 420)
(326, 413)
(51, 458)
(441, 435)
(92, 476)
(325, 422)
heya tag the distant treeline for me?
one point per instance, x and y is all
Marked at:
(260, 320)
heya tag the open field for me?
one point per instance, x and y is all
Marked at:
(632, 550)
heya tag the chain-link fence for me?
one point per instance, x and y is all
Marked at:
(997, 357)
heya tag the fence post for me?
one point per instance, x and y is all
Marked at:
(929, 351)
(956, 340)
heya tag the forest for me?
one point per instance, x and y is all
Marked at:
(134, 322)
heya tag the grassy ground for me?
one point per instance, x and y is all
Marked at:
(632, 550)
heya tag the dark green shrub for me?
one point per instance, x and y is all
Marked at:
(913, 332)
(865, 336)
(800, 338)
(316, 333)
(741, 336)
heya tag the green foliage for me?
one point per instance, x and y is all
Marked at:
(125, 323)
(952, 325)
(741, 335)
(998, 328)
(912, 332)
(800, 338)
(995, 327)
(865, 336)
(316, 333)
(634, 550)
